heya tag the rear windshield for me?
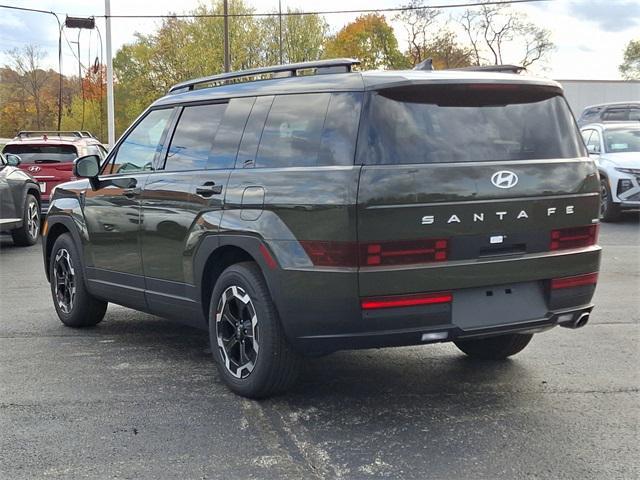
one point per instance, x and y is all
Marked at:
(467, 123)
(43, 153)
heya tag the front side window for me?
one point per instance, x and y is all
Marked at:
(138, 150)
(467, 123)
(293, 130)
(193, 137)
(593, 144)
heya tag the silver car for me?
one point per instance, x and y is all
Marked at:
(19, 202)
(616, 149)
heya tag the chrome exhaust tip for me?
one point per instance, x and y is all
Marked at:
(577, 321)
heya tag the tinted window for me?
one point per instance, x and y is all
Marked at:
(634, 114)
(225, 145)
(467, 123)
(253, 132)
(43, 153)
(338, 143)
(615, 114)
(292, 133)
(193, 137)
(140, 147)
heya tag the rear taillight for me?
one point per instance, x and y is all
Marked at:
(573, 237)
(352, 254)
(397, 301)
(403, 252)
(576, 281)
(331, 254)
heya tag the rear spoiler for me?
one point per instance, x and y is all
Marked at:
(428, 65)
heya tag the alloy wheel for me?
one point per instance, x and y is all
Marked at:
(64, 280)
(604, 198)
(33, 220)
(237, 331)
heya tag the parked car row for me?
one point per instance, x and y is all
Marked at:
(34, 163)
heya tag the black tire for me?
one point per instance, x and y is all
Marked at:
(609, 211)
(28, 233)
(495, 348)
(241, 294)
(82, 309)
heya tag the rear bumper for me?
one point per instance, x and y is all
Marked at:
(436, 333)
(321, 311)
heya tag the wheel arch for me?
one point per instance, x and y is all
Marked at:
(57, 226)
(217, 253)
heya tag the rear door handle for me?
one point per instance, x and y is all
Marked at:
(208, 189)
(132, 192)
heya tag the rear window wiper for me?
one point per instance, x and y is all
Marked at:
(46, 161)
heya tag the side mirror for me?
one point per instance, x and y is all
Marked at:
(593, 149)
(12, 159)
(87, 166)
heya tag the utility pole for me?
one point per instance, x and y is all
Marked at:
(111, 131)
(226, 35)
(280, 20)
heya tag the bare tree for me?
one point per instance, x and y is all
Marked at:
(492, 29)
(418, 22)
(31, 78)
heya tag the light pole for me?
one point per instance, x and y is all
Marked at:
(226, 35)
(111, 130)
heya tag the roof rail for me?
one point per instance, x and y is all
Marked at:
(493, 68)
(334, 65)
(55, 133)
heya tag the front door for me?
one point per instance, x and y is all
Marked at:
(112, 212)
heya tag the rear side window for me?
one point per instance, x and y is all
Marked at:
(225, 145)
(467, 123)
(192, 139)
(292, 133)
(43, 153)
(615, 115)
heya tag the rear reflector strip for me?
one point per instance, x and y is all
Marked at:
(404, 252)
(397, 301)
(573, 237)
(353, 254)
(577, 281)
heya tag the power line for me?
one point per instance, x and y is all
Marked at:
(300, 13)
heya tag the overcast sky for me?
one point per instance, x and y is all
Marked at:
(590, 35)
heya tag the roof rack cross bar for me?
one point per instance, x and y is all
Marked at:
(333, 65)
(55, 133)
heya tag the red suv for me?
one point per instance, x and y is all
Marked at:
(48, 156)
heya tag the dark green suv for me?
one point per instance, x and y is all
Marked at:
(302, 209)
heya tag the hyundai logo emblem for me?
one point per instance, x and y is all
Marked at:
(34, 169)
(504, 179)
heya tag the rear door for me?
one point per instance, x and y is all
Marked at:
(189, 182)
(459, 179)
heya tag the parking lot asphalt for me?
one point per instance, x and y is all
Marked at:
(138, 397)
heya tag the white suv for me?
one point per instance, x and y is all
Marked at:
(616, 149)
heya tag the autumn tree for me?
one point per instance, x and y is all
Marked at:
(630, 67)
(498, 34)
(369, 38)
(31, 78)
(428, 37)
(303, 37)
